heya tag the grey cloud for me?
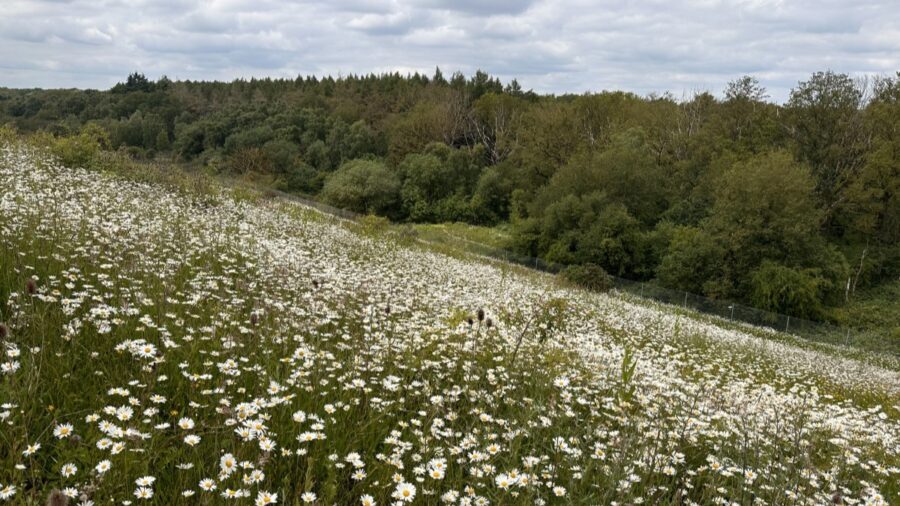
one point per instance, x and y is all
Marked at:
(398, 23)
(480, 7)
(549, 45)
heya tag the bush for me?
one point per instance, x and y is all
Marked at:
(250, 160)
(303, 178)
(363, 186)
(775, 287)
(77, 151)
(283, 154)
(589, 276)
(693, 259)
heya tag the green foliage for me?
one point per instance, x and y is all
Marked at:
(136, 82)
(437, 183)
(372, 224)
(77, 151)
(826, 124)
(491, 198)
(763, 209)
(282, 154)
(693, 259)
(696, 193)
(363, 186)
(250, 160)
(626, 379)
(781, 289)
(588, 275)
(625, 172)
(303, 178)
(550, 318)
(8, 133)
(875, 310)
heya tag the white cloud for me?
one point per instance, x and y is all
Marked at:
(551, 46)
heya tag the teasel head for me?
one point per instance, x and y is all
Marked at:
(254, 318)
(387, 309)
(316, 284)
(470, 321)
(489, 323)
(480, 315)
(31, 286)
(4, 331)
(57, 498)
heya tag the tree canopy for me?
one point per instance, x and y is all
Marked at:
(790, 207)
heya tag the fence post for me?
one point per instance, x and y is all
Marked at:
(642, 290)
(788, 324)
(685, 300)
(848, 337)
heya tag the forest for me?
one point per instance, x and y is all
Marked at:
(791, 207)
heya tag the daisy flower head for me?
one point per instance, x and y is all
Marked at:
(68, 470)
(264, 498)
(103, 466)
(63, 431)
(404, 492)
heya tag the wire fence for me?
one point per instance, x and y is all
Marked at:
(731, 311)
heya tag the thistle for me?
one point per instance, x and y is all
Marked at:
(57, 498)
(31, 286)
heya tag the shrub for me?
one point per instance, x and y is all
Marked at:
(589, 276)
(76, 151)
(775, 287)
(363, 186)
(250, 160)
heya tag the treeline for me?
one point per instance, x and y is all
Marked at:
(790, 207)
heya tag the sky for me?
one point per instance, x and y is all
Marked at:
(560, 46)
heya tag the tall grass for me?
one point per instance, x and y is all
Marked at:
(205, 344)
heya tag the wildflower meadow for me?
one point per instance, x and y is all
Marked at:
(168, 345)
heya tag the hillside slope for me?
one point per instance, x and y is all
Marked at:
(164, 346)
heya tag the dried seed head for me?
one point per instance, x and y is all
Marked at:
(57, 498)
(316, 283)
(4, 331)
(480, 314)
(470, 321)
(489, 323)
(254, 318)
(387, 309)
(31, 286)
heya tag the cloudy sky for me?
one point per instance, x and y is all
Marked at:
(550, 46)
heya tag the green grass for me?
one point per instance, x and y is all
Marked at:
(494, 237)
(261, 310)
(875, 310)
